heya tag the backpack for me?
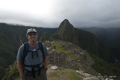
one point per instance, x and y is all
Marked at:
(25, 52)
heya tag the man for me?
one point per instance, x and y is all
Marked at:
(32, 58)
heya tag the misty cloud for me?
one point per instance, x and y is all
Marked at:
(99, 13)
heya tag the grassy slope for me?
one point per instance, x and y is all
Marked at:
(67, 74)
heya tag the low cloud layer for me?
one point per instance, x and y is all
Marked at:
(50, 13)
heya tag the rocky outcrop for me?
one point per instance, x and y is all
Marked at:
(68, 55)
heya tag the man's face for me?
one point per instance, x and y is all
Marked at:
(32, 36)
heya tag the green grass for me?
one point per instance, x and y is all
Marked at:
(81, 67)
(65, 62)
(88, 58)
(66, 74)
(59, 48)
(73, 56)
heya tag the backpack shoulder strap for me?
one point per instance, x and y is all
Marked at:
(25, 51)
(41, 48)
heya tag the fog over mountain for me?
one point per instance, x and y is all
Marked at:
(48, 13)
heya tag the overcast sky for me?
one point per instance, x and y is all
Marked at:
(50, 13)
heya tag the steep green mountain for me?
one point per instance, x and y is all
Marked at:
(66, 31)
(73, 63)
(84, 39)
(110, 37)
(11, 37)
(9, 43)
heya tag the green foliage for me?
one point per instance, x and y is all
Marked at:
(2, 70)
(11, 73)
(110, 37)
(80, 67)
(67, 74)
(116, 64)
(73, 56)
(105, 69)
(59, 48)
(9, 42)
(88, 59)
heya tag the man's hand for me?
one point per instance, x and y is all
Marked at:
(46, 62)
(20, 68)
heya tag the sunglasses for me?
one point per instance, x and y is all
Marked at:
(30, 34)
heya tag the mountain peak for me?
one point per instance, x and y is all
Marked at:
(66, 21)
(66, 31)
(65, 26)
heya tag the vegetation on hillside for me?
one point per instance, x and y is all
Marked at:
(67, 74)
(105, 69)
(12, 73)
(110, 37)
